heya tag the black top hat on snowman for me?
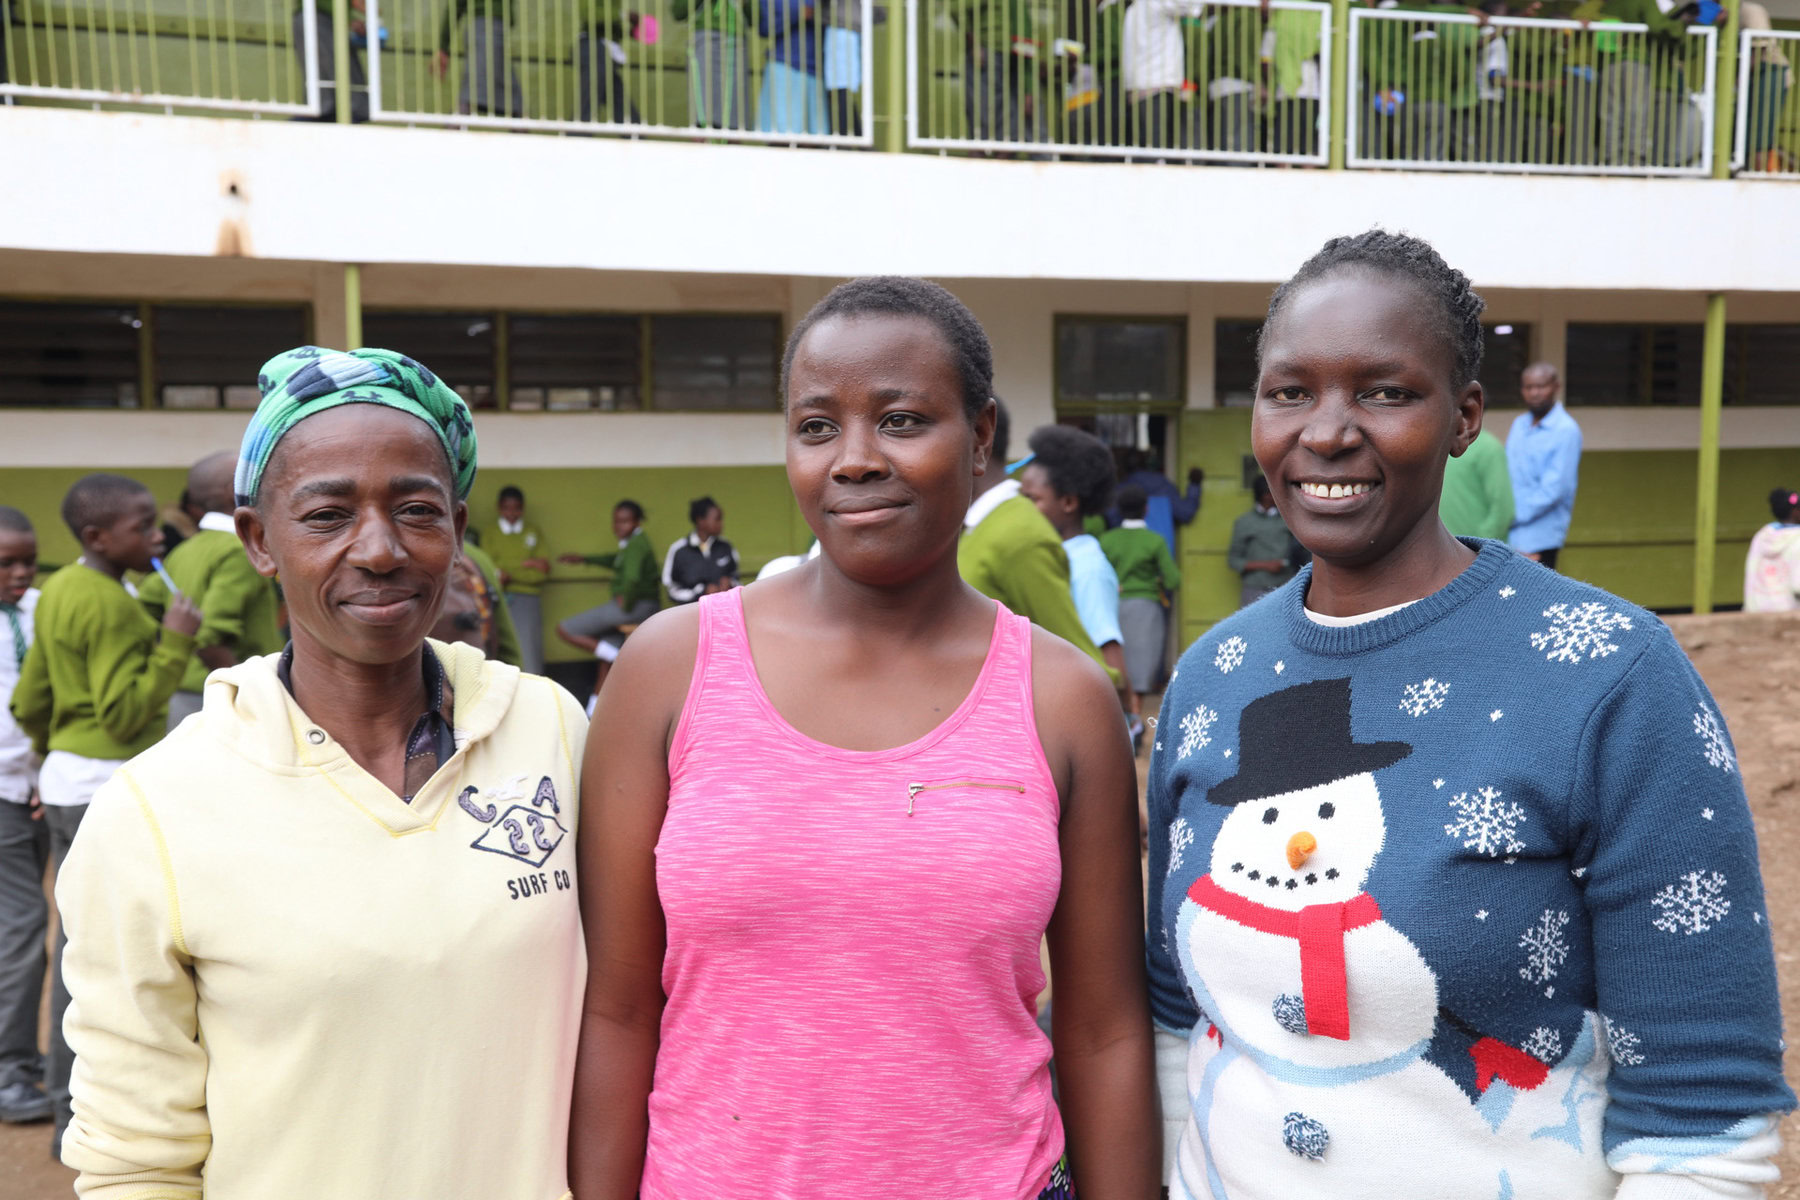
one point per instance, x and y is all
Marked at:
(1299, 738)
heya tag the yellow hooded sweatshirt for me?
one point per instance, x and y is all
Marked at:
(286, 978)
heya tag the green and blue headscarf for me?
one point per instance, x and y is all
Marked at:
(307, 381)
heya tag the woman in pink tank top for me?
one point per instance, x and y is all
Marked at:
(828, 819)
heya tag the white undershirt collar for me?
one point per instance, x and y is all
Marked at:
(989, 500)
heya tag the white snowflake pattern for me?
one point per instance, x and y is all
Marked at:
(1495, 715)
(1544, 1044)
(1545, 948)
(1584, 630)
(1693, 904)
(1622, 1044)
(1508, 592)
(1230, 654)
(1706, 814)
(1486, 825)
(1280, 667)
(1481, 914)
(1437, 783)
(1712, 736)
(1423, 697)
(1196, 730)
(1181, 836)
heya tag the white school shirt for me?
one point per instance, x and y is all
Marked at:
(18, 764)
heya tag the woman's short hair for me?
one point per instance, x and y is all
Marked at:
(1458, 305)
(904, 296)
(699, 508)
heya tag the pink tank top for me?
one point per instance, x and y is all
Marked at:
(852, 964)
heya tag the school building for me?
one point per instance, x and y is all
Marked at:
(609, 276)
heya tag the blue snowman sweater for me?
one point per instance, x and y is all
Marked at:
(1462, 901)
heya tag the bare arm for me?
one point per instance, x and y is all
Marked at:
(1101, 1020)
(625, 792)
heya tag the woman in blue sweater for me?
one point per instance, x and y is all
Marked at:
(1454, 886)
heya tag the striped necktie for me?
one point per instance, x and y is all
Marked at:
(18, 633)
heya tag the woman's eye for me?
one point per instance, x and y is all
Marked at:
(1288, 395)
(1389, 395)
(814, 427)
(902, 421)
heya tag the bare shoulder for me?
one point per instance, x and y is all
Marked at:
(1073, 698)
(1059, 670)
(648, 685)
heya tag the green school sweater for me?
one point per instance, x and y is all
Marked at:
(98, 678)
(1477, 500)
(506, 634)
(508, 550)
(1142, 561)
(238, 605)
(1260, 537)
(730, 17)
(636, 573)
(1015, 557)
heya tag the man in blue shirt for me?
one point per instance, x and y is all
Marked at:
(1543, 451)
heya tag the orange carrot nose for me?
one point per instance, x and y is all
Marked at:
(1300, 847)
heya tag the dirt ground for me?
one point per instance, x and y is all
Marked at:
(1752, 664)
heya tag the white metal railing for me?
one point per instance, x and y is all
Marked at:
(259, 56)
(1449, 92)
(554, 65)
(1767, 145)
(1227, 81)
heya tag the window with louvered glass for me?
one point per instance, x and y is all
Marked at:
(575, 363)
(714, 364)
(209, 357)
(69, 355)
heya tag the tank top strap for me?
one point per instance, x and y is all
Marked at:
(1014, 662)
(723, 668)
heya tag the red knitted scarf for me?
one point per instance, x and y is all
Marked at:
(1320, 930)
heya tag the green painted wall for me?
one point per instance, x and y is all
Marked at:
(572, 507)
(1633, 532)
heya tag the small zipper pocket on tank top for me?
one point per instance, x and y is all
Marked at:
(913, 789)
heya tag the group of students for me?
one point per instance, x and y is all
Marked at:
(1453, 884)
(811, 72)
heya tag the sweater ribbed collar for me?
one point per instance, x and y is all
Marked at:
(1491, 558)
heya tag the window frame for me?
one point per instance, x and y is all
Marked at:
(1083, 408)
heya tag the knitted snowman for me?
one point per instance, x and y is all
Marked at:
(1307, 1074)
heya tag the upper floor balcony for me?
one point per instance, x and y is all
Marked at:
(1297, 83)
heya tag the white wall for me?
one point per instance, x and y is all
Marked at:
(196, 187)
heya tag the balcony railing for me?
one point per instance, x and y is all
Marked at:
(1768, 118)
(1182, 80)
(1450, 92)
(1161, 79)
(788, 71)
(249, 56)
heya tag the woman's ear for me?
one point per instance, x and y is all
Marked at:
(1471, 404)
(461, 517)
(985, 421)
(255, 535)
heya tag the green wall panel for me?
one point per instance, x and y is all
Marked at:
(573, 508)
(1633, 532)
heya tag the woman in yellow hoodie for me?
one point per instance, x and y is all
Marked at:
(323, 941)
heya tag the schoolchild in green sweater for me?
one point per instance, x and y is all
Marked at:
(96, 683)
(517, 549)
(1148, 578)
(242, 611)
(1478, 498)
(637, 590)
(1009, 553)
